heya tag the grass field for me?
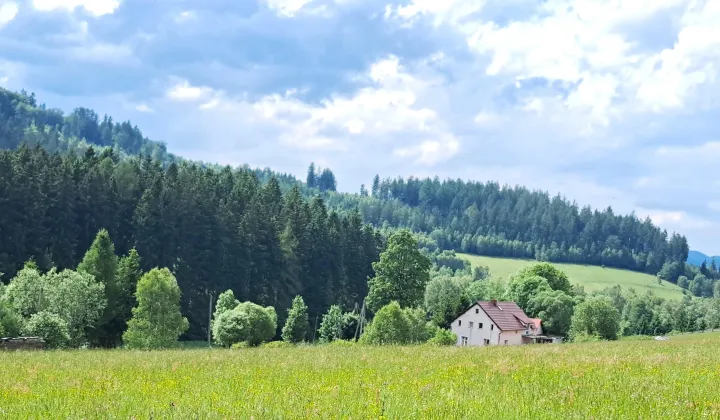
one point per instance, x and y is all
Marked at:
(592, 277)
(627, 379)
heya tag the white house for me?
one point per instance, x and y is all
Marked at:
(497, 323)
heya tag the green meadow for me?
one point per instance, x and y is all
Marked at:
(623, 379)
(591, 277)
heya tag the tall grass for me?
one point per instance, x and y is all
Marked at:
(631, 379)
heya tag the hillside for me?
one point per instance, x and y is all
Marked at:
(483, 218)
(593, 278)
(696, 258)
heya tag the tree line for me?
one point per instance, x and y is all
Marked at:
(214, 229)
(473, 217)
(490, 219)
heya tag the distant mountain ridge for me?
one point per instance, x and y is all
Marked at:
(696, 258)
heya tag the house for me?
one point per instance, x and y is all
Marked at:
(493, 323)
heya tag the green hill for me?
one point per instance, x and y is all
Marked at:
(591, 277)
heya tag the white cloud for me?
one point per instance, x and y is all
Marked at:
(183, 91)
(94, 7)
(431, 152)
(185, 16)
(287, 7)
(144, 108)
(8, 11)
(581, 42)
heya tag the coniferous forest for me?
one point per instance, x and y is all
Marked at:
(263, 234)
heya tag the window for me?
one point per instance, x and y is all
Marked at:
(527, 332)
(477, 311)
(459, 322)
(480, 326)
(505, 342)
(463, 341)
(486, 342)
(492, 327)
(470, 325)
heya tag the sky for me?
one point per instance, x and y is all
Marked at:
(609, 103)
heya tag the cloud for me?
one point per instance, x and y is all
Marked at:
(94, 7)
(609, 102)
(144, 108)
(8, 11)
(287, 7)
(183, 91)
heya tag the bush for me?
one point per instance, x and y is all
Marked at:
(240, 345)
(393, 325)
(443, 337)
(248, 322)
(390, 326)
(585, 338)
(10, 322)
(277, 345)
(342, 343)
(331, 327)
(49, 327)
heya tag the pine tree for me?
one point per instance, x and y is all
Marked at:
(128, 275)
(296, 326)
(101, 262)
(311, 179)
(376, 186)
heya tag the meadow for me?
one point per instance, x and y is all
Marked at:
(591, 277)
(624, 379)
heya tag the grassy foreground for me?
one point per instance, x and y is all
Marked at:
(627, 379)
(592, 277)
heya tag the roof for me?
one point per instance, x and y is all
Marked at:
(537, 322)
(506, 315)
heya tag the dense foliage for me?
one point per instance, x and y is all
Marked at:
(156, 321)
(215, 229)
(487, 219)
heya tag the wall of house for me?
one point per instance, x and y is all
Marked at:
(476, 336)
(513, 338)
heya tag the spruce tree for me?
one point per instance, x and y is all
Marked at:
(311, 179)
(128, 275)
(296, 326)
(101, 262)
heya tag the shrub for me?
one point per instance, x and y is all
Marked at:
(443, 337)
(331, 327)
(342, 343)
(277, 345)
(248, 322)
(585, 338)
(10, 321)
(240, 345)
(50, 327)
(393, 325)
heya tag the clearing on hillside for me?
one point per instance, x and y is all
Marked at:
(677, 378)
(591, 277)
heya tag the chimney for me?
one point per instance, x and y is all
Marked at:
(493, 302)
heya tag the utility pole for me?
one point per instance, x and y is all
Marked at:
(315, 329)
(210, 304)
(361, 322)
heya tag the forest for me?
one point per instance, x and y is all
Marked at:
(215, 229)
(473, 217)
(82, 196)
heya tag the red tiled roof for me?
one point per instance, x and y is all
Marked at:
(537, 322)
(506, 315)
